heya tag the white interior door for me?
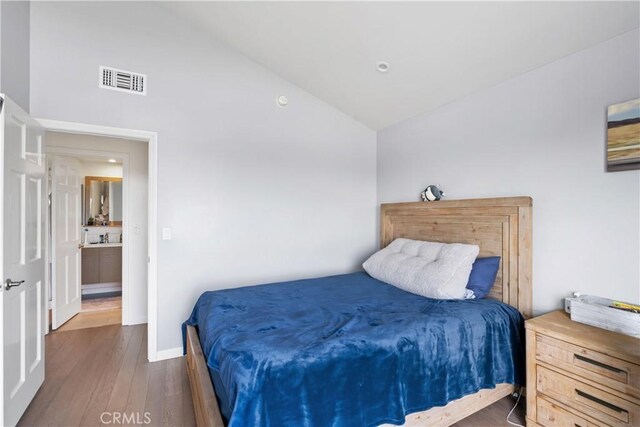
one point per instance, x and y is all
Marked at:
(23, 262)
(65, 236)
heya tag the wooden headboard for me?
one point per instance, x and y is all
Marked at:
(500, 226)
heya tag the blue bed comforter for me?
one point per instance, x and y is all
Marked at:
(350, 350)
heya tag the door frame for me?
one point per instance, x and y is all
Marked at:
(151, 138)
(80, 153)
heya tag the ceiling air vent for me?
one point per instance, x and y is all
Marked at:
(123, 81)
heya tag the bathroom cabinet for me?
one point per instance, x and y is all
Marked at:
(90, 266)
(101, 265)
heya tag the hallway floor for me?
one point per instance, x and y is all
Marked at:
(94, 313)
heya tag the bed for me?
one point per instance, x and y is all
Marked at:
(310, 352)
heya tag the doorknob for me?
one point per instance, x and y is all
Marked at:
(8, 284)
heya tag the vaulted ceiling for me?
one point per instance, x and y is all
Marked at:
(437, 52)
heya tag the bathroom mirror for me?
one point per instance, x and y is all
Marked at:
(102, 201)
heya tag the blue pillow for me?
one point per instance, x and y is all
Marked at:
(483, 275)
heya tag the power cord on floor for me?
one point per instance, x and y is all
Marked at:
(514, 407)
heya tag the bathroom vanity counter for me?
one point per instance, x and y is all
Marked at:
(100, 245)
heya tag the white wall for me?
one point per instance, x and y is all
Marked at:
(253, 192)
(542, 134)
(14, 51)
(103, 168)
(136, 205)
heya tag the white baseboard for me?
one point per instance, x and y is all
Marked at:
(98, 288)
(138, 321)
(169, 353)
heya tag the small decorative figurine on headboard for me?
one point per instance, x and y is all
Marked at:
(432, 193)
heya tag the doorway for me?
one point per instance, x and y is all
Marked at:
(150, 139)
(86, 189)
(25, 252)
(98, 267)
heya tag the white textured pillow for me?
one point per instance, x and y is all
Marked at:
(434, 270)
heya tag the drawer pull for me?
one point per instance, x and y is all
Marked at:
(599, 364)
(601, 402)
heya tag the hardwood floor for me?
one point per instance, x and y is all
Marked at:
(496, 414)
(92, 319)
(95, 375)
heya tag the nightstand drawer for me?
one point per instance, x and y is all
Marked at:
(589, 400)
(552, 415)
(597, 367)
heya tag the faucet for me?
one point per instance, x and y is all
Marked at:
(106, 237)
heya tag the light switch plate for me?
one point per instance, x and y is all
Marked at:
(166, 233)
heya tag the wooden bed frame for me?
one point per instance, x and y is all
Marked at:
(500, 226)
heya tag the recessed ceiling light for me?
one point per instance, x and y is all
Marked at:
(382, 66)
(112, 160)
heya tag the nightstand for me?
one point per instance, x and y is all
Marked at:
(580, 375)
